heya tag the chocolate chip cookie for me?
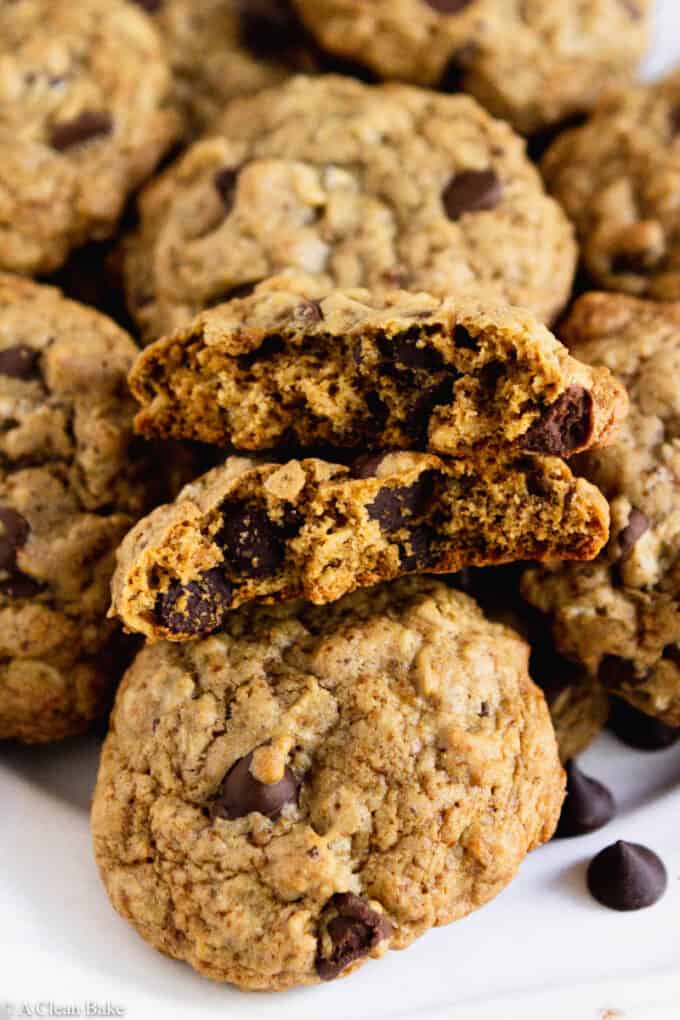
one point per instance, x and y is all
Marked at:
(619, 617)
(295, 363)
(85, 115)
(532, 63)
(361, 186)
(73, 478)
(310, 787)
(269, 532)
(618, 178)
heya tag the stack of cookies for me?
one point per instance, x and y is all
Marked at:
(344, 292)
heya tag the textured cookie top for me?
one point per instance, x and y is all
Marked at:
(359, 185)
(621, 615)
(296, 364)
(618, 178)
(309, 787)
(80, 124)
(531, 62)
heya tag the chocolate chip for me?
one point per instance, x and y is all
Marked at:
(638, 523)
(627, 876)
(198, 607)
(20, 362)
(462, 338)
(448, 6)
(367, 466)
(394, 508)
(566, 426)
(21, 586)
(472, 191)
(251, 542)
(416, 552)
(633, 263)
(409, 350)
(354, 932)
(13, 535)
(270, 346)
(152, 6)
(268, 27)
(418, 418)
(378, 413)
(639, 730)
(672, 653)
(225, 184)
(87, 125)
(588, 806)
(551, 672)
(614, 672)
(309, 312)
(241, 793)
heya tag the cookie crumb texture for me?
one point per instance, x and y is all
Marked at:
(618, 178)
(361, 186)
(269, 532)
(619, 616)
(80, 125)
(72, 481)
(532, 63)
(309, 787)
(293, 364)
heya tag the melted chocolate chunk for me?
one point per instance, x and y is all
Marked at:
(354, 932)
(378, 413)
(462, 338)
(627, 876)
(407, 349)
(367, 466)
(418, 420)
(21, 586)
(615, 671)
(83, 128)
(588, 806)
(638, 523)
(241, 793)
(566, 426)
(14, 531)
(252, 544)
(416, 553)
(395, 508)
(20, 362)
(472, 191)
(639, 730)
(270, 346)
(195, 608)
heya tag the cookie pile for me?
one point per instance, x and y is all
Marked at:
(344, 289)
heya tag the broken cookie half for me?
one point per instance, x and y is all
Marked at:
(262, 532)
(296, 366)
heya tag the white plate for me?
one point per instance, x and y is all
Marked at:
(543, 949)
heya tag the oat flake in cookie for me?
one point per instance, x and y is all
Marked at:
(249, 531)
(361, 186)
(72, 481)
(619, 616)
(309, 787)
(533, 63)
(85, 115)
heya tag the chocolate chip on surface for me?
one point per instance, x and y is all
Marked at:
(588, 805)
(198, 607)
(638, 524)
(353, 933)
(639, 730)
(83, 128)
(251, 542)
(472, 191)
(627, 876)
(20, 362)
(241, 793)
(565, 427)
(394, 508)
(14, 531)
(309, 312)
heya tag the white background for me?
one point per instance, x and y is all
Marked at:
(543, 949)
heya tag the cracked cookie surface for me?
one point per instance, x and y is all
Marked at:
(80, 127)
(312, 786)
(296, 365)
(530, 62)
(619, 616)
(269, 532)
(361, 186)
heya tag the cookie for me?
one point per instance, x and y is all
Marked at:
(73, 478)
(80, 126)
(310, 787)
(221, 49)
(269, 532)
(297, 364)
(362, 186)
(619, 617)
(531, 63)
(618, 177)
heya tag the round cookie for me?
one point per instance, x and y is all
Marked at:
(72, 481)
(618, 177)
(533, 63)
(312, 786)
(81, 125)
(619, 616)
(358, 185)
